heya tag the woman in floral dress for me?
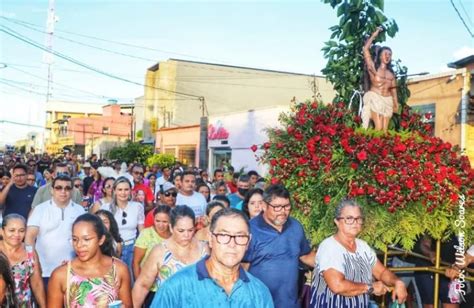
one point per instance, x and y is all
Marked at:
(171, 255)
(24, 263)
(92, 279)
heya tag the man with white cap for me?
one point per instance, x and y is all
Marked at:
(167, 197)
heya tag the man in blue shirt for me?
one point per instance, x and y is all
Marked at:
(217, 280)
(278, 244)
(243, 186)
(17, 196)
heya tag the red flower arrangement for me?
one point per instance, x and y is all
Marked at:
(408, 182)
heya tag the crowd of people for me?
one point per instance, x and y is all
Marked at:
(99, 233)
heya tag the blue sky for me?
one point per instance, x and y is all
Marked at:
(278, 35)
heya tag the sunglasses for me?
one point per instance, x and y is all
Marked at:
(60, 188)
(124, 220)
(30, 180)
(174, 194)
(77, 185)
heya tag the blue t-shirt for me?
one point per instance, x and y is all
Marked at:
(235, 201)
(192, 287)
(19, 200)
(274, 258)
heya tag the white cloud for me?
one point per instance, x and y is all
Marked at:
(463, 52)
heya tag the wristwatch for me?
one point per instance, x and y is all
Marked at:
(370, 289)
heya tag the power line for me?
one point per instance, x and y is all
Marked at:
(462, 19)
(60, 84)
(82, 43)
(22, 38)
(465, 12)
(94, 134)
(18, 21)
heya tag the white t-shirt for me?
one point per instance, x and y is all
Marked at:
(196, 201)
(53, 242)
(356, 266)
(135, 216)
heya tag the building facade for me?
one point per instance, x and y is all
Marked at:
(179, 92)
(448, 97)
(58, 113)
(100, 134)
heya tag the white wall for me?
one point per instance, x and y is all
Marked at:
(246, 129)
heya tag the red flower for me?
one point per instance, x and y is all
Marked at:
(254, 148)
(275, 181)
(280, 145)
(428, 115)
(354, 166)
(302, 160)
(410, 184)
(266, 145)
(327, 199)
(362, 155)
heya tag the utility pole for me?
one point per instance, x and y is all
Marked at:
(203, 155)
(48, 56)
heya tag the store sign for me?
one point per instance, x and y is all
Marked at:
(217, 131)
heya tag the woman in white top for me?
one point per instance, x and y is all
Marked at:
(106, 199)
(346, 265)
(129, 215)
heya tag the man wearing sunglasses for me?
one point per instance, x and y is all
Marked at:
(218, 280)
(43, 193)
(278, 245)
(50, 226)
(168, 196)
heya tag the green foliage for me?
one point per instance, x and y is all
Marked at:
(131, 152)
(162, 160)
(345, 66)
(139, 134)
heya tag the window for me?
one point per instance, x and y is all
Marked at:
(187, 155)
(105, 131)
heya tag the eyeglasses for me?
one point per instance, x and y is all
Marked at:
(224, 239)
(60, 188)
(137, 173)
(20, 175)
(173, 194)
(108, 186)
(32, 165)
(350, 220)
(124, 216)
(278, 208)
(31, 180)
(77, 185)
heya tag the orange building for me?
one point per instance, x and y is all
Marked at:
(100, 134)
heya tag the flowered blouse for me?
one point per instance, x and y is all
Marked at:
(21, 273)
(91, 292)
